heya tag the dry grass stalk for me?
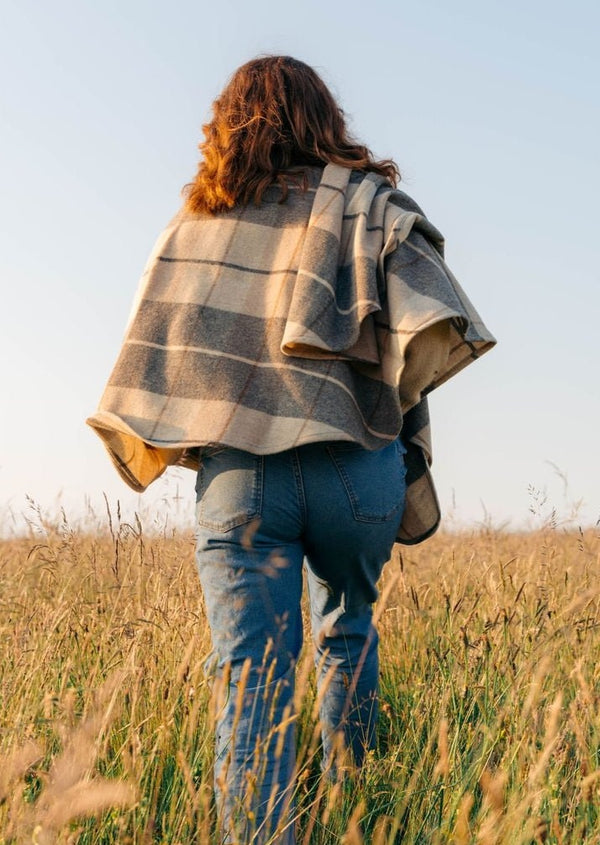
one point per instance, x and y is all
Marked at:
(492, 786)
(71, 789)
(353, 834)
(442, 767)
(462, 829)
(15, 764)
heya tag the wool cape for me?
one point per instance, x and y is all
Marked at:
(327, 316)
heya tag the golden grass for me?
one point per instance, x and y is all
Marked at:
(490, 724)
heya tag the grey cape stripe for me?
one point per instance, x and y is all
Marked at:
(173, 259)
(324, 396)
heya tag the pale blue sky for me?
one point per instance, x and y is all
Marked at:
(490, 109)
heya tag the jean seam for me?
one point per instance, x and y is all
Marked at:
(297, 469)
(258, 490)
(345, 481)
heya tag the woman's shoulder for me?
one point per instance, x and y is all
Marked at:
(405, 202)
(386, 191)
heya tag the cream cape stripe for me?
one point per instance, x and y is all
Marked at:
(327, 317)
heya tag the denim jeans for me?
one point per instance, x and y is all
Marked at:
(332, 508)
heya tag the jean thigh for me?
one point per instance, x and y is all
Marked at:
(229, 489)
(252, 603)
(251, 577)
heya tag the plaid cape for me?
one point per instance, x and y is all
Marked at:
(326, 317)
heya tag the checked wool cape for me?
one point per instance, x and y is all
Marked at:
(329, 316)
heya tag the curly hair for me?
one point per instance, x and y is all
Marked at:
(274, 117)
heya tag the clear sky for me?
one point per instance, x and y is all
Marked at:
(491, 110)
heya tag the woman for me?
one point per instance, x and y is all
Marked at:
(290, 321)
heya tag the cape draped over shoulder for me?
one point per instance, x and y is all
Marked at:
(328, 317)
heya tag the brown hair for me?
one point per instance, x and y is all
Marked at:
(274, 117)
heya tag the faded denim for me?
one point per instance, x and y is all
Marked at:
(333, 508)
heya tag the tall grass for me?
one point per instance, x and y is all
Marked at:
(490, 719)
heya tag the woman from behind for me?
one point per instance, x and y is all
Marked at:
(290, 321)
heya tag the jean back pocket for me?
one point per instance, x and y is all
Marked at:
(374, 481)
(229, 489)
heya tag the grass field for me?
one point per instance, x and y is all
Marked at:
(490, 724)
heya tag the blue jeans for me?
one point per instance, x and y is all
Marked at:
(336, 507)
